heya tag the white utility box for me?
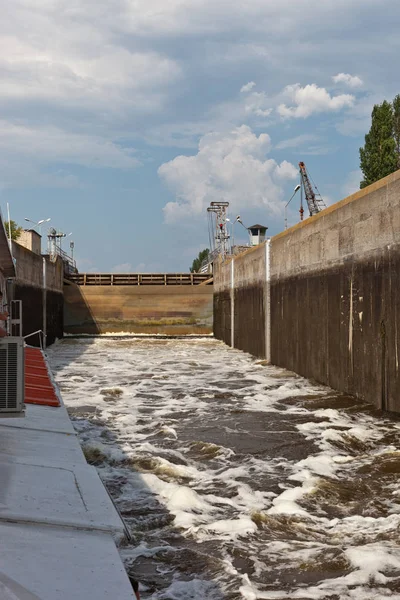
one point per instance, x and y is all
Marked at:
(12, 375)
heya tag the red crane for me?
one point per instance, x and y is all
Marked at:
(314, 200)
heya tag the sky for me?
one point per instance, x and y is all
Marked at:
(121, 120)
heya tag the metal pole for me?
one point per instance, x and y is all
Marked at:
(268, 300)
(9, 228)
(287, 203)
(44, 302)
(301, 211)
(233, 302)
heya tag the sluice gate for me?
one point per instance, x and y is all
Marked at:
(141, 278)
(141, 303)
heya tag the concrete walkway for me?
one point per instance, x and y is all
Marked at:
(57, 522)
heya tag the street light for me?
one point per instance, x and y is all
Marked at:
(38, 223)
(296, 189)
(64, 235)
(233, 223)
(239, 220)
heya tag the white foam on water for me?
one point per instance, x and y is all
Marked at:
(189, 590)
(144, 404)
(228, 528)
(187, 506)
(287, 502)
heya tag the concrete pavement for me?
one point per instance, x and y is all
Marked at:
(57, 522)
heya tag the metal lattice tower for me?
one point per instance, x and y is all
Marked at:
(221, 235)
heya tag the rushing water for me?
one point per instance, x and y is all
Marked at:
(237, 480)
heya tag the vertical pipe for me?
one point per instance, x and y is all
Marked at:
(8, 296)
(233, 302)
(44, 304)
(9, 230)
(9, 225)
(268, 300)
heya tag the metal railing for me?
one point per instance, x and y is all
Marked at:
(138, 278)
(68, 262)
(42, 338)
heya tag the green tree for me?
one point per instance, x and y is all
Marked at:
(396, 127)
(196, 264)
(378, 156)
(15, 229)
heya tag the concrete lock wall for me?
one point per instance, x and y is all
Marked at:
(29, 269)
(335, 295)
(171, 310)
(335, 298)
(42, 302)
(241, 301)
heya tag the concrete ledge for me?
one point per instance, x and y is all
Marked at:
(70, 497)
(354, 229)
(377, 186)
(33, 446)
(43, 418)
(57, 521)
(52, 563)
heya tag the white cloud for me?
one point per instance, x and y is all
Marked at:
(52, 145)
(70, 84)
(142, 267)
(351, 80)
(229, 166)
(181, 17)
(248, 87)
(312, 99)
(97, 78)
(122, 268)
(40, 156)
(257, 104)
(85, 265)
(285, 170)
(358, 119)
(307, 145)
(300, 140)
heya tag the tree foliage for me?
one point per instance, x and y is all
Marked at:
(380, 155)
(196, 265)
(396, 127)
(15, 229)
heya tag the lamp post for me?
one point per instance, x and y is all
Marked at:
(296, 189)
(38, 223)
(65, 235)
(239, 220)
(233, 223)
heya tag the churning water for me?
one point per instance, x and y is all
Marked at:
(237, 480)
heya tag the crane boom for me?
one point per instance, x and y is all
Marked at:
(314, 201)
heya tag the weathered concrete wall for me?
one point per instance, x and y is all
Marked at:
(334, 297)
(240, 284)
(30, 239)
(29, 269)
(223, 301)
(32, 312)
(172, 310)
(222, 316)
(28, 287)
